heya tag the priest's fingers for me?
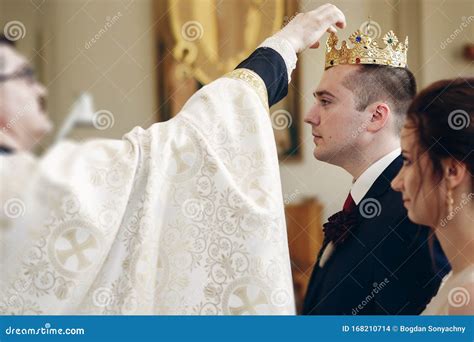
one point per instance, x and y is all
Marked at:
(324, 19)
(306, 29)
(331, 29)
(333, 16)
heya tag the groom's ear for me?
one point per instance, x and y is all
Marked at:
(379, 116)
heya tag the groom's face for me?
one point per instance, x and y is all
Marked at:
(336, 124)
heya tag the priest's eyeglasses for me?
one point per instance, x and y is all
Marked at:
(26, 73)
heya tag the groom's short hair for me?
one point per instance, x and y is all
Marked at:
(370, 83)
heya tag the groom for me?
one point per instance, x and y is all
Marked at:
(373, 260)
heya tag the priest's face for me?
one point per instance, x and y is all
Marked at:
(335, 123)
(23, 121)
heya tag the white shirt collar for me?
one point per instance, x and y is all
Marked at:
(361, 185)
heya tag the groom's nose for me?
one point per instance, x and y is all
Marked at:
(312, 117)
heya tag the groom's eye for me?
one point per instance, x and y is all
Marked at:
(324, 102)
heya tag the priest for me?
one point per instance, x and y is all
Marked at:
(185, 217)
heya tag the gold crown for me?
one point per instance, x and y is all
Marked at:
(367, 51)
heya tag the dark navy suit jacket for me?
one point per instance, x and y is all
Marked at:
(386, 266)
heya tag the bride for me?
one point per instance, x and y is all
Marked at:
(437, 183)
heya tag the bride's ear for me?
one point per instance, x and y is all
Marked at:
(454, 171)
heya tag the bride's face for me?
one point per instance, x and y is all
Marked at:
(421, 190)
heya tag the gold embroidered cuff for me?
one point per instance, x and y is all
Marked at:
(252, 79)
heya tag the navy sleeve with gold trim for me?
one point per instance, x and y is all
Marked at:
(270, 66)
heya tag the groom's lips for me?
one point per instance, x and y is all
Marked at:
(316, 137)
(406, 202)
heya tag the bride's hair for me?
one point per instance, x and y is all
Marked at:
(443, 116)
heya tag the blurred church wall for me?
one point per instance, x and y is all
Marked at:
(446, 27)
(118, 69)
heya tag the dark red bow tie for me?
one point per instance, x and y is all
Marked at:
(338, 227)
